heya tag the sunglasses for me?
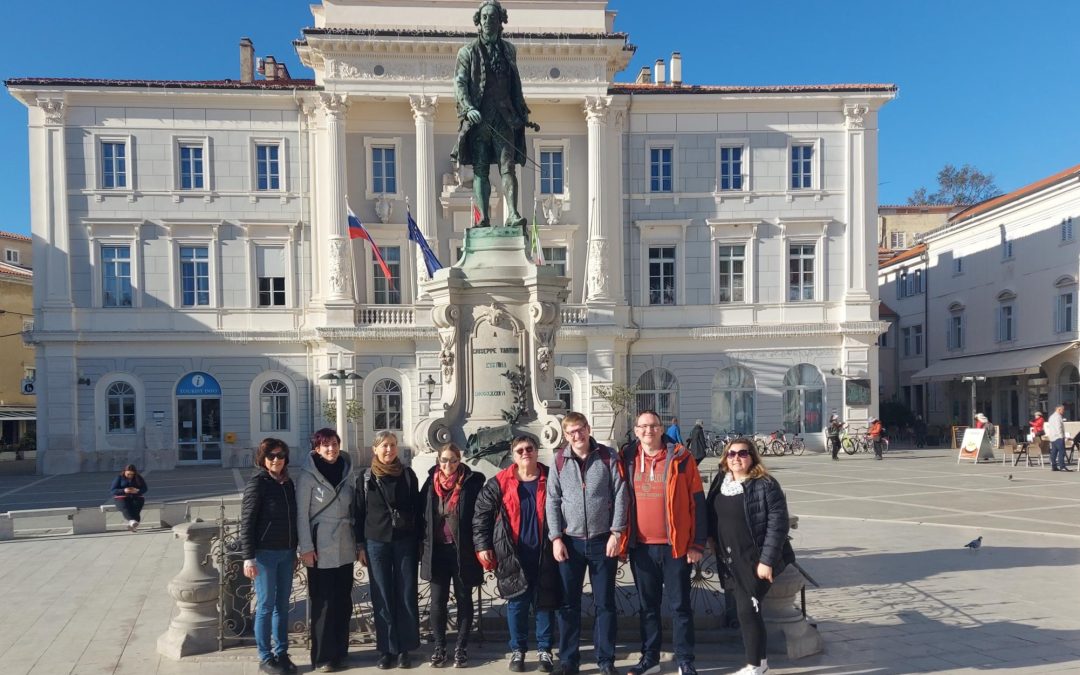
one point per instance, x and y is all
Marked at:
(526, 450)
(744, 453)
(276, 455)
(448, 460)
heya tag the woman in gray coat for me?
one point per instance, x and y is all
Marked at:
(324, 497)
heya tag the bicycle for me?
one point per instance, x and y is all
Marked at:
(779, 443)
(853, 443)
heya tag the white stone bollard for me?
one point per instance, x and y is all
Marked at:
(788, 630)
(194, 630)
(7, 527)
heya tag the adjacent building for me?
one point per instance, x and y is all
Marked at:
(17, 364)
(198, 278)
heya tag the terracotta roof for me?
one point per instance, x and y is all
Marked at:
(16, 237)
(7, 269)
(993, 203)
(885, 310)
(463, 34)
(629, 88)
(913, 252)
(921, 208)
(159, 84)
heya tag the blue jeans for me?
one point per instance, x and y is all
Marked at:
(273, 585)
(1057, 453)
(517, 618)
(587, 554)
(657, 574)
(393, 595)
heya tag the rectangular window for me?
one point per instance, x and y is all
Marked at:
(191, 167)
(660, 169)
(270, 272)
(1066, 229)
(916, 340)
(384, 169)
(731, 167)
(800, 272)
(384, 294)
(555, 256)
(116, 276)
(802, 165)
(267, 167)
(730, 269)
(905, 340)
(11, 256)
(897, 240)
(1005, 323)
(113, 165)
(194, 276)
(1006, 249)
(958, 265)
(661, 275)
(1064, 313)
(918, 283)
(883, 340)
(551, 172)
(956, 332)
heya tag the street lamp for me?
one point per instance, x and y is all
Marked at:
(429, 383)
(340, 377)
(973, 379)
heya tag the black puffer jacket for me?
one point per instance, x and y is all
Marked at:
(267, 515)
(766, 517)
(492, 532)
(471, 572)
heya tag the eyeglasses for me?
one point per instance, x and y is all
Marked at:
(579, 431)
(525, 450)
(649, 426)
(448, 460)
(275, 456)
(744, 453)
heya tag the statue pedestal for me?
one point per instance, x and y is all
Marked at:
(497, 315)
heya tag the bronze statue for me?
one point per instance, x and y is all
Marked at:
(492, 112)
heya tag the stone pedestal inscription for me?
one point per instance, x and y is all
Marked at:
(495, 351)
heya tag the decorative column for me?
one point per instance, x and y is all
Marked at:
(338, 267)
(194, 629)
(48, 180)
(861, 200)
(598, 281)
(423, 109)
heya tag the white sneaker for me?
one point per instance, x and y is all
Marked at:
(754, 670)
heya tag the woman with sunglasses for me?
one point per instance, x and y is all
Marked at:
(268, 542)
(748, 530)
(447, 503)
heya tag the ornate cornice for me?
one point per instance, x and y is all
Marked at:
(55, 110)
(790, 330)
(855, 115)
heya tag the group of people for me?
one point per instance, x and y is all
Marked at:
(539, 529)
(1053, 430)
(875, 432)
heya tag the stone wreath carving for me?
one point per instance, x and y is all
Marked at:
(446, 355)
(338, 280)
(543, 359)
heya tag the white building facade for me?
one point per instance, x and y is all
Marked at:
(197, 276)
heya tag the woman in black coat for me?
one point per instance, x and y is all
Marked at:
(748, 530)
(128, 489)
(268, 542)
(448, 500)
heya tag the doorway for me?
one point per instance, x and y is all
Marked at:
(198, 420)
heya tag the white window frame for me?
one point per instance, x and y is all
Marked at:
(954, 341)
(657, 144)
(408, 399)
(734, 233)
(958, 265)
(817, 165)
(1065, 286)
(117, 439)
(663, 233)
(787, 271)
(271, 234)
(1067, 234)
(553, 236)
(1006, 328)
(114, 232)
(1006, 247)
(203, 142)
(387, 234)
(290, 436)
(746, 173)
(545, 144)
(194, 233)
(804, 231)
(283, 165)
(905, 341)
(917, 340)
(129, 155)
(893, 239)
(371, 142)
(11, 256)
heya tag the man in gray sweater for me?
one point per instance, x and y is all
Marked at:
(586, 513)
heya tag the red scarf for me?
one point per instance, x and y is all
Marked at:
(449, 485)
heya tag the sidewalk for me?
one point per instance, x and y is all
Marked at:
(885, 539)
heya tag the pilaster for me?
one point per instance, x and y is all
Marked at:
(599, 283)
(49, 208)
(338, 267)
(861, 200)
(424, 109)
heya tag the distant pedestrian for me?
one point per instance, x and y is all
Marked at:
(748, 529)
(268, 543)
(836, 427)
(674, 433)
(128, 489)
(1055, 433)
(983, 422)
(876, 430)
(1037, 425)
(697, 445)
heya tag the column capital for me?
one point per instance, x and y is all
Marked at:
(423, 106)
(855, 115)
(597, 108)
(334, 105)
(55, 110)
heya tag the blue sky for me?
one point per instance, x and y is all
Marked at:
(986, 82)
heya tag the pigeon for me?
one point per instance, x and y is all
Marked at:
(974, 543)
(1009, 477)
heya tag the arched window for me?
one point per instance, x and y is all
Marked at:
(120, 399)
(659, 390)
(564, 392)
(1069, 390)
(387, 399)
(804, 392)
(733, 400)
(274, 406)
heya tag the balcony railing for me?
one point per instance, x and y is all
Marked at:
(385, 315)
(575, 315)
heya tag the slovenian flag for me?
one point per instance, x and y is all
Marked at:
(430, 261)
(475, 212)
(358, 231)
(534, 240)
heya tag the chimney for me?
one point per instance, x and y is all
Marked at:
(269, 70)
(644, 76)
(658, 72)
(247, 60)
(676, 69)
(282, 72)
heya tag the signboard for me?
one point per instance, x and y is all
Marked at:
(857, 392)
(975, 446)
(198, 384)
(495, 351)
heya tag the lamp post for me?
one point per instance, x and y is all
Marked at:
(973, 379)
(429, 385)
(340, 377)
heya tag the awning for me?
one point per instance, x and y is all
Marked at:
(999, 364)
(17, 414)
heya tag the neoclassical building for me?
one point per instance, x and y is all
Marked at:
(197, 277)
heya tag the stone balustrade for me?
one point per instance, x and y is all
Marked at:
(575, 315)
(385, 315)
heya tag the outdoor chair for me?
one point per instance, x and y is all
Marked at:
(1009, 451)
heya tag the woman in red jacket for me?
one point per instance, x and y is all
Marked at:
(1037, 426)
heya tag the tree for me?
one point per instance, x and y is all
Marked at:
(354, 412)
(966, 185)
(620, 398)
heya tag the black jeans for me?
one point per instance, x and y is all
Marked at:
(444, 568)
(751, 624)
(657, 574)
(834, 441)
(131, 507)
(330, 595)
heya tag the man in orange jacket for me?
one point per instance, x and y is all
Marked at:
(665, 537)
(875, 435)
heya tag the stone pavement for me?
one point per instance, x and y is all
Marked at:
(885, 539)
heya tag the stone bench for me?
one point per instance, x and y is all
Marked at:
(83, 521)
(172, 513)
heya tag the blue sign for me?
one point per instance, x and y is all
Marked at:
(198, 384)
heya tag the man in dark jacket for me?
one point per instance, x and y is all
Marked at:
(510, 537)
(697, 444)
